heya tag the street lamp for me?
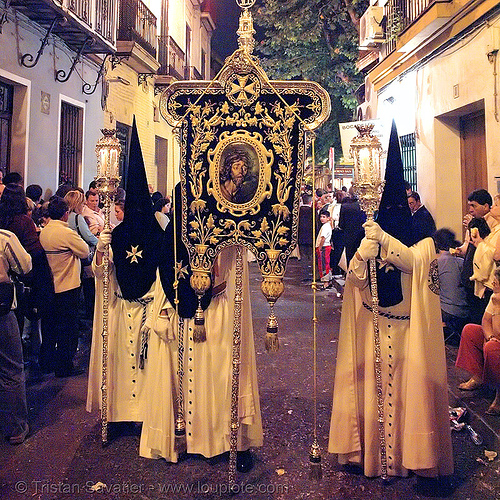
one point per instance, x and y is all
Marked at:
(108, 151)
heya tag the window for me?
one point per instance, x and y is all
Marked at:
(123, 135)
(203, 64)
(409, 157)
(70, 149)
(6, 105)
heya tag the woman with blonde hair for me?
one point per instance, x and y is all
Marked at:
(75, 200)
(76, 221)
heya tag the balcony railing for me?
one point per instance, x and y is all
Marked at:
(400, 14)
(105, 19)
(171, 57)
(137, 24)
(98, 14)
(85, 17)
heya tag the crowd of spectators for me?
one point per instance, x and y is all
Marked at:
(46, 285)
(46, 247)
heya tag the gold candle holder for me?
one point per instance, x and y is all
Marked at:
(108, 151)
(366, 150)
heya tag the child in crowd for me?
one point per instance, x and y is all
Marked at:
(323, 246)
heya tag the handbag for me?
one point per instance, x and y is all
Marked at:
(6, 297)
(87, 261)
(23, 286)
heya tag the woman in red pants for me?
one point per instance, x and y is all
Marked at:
(479, 351)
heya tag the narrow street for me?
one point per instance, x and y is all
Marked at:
(63, 457)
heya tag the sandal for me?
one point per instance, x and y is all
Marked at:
(493, 410)
(470, 385)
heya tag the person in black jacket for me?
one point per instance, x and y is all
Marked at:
(351, 221)
(423, 224)
(479, 203)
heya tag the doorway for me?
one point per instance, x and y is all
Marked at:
(161, 164)
(6, 110)
(473, 154)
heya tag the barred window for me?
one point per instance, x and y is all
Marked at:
(6, 106)
(70, 147)
(409, 157)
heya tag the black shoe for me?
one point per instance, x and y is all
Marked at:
(46, 370)
(120, 429)
(440, 487)
(19, 438)
(244, 461)
(74, 372)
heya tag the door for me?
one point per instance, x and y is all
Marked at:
(473, 154)
(161, 164)
(6, 106)
(123, 135)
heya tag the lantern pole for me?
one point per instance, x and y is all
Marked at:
(108, 151)
(367, 185)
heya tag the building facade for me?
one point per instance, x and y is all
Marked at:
(432, 66)
(71, 67)
(49, 125)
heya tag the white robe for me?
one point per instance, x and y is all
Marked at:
(207, 378)
(483, 263)
(414, 380)
(125, 380)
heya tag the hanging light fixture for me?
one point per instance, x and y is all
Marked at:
(108, 151)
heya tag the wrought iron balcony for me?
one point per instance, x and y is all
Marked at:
(170, 57)
(399, 15)
(90, 24)
(172, 61)
(137, 24)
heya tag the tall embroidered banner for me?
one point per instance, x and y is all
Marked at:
(243, 147)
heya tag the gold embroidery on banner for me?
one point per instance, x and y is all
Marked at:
(243, 144)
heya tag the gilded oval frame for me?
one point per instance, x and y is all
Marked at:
(253, 144)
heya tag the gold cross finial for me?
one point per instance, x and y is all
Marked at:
(245, 31)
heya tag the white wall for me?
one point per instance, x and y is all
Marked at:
(425, 103)
(41, 148)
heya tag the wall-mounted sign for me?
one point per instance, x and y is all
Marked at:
(45, 103)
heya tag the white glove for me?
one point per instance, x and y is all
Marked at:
(104, 240)
(368, 249)
(374, 232)
(163, 327)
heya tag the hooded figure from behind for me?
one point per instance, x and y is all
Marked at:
(185, 300)
(137, 240)
(394, 217)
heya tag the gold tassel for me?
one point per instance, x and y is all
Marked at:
(199, 332)
(272, 342)
(180, 444)
(315, 471)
